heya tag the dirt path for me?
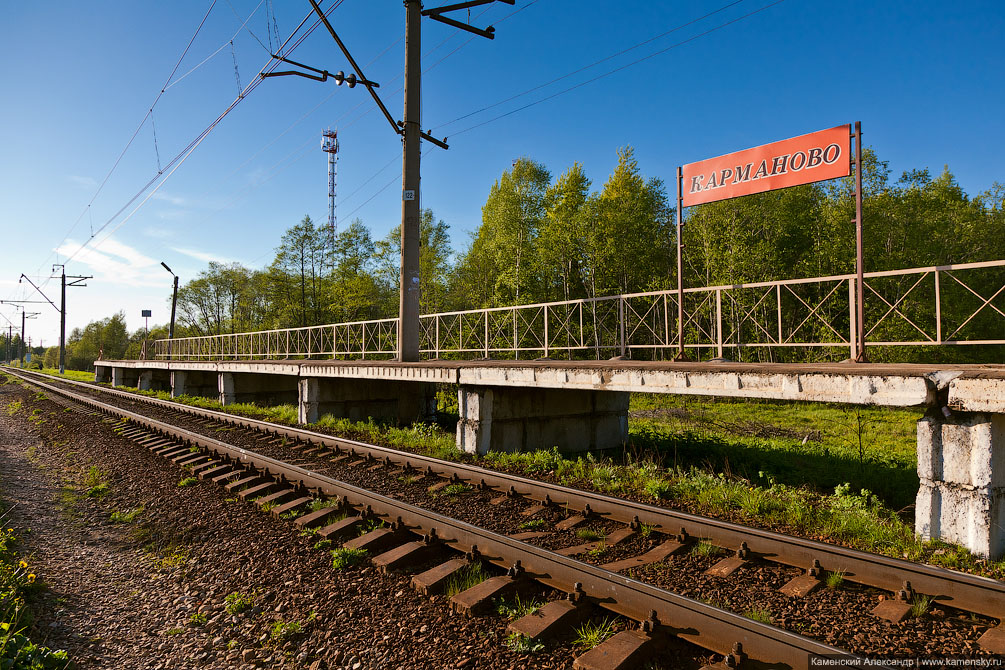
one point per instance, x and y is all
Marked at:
(151, 592)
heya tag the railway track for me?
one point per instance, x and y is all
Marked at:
(415, 533)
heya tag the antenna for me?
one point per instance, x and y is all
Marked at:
(329, 144)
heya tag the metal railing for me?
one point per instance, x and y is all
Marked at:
(931, 306)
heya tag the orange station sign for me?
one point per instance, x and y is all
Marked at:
(797, 160)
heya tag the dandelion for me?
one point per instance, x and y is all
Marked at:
(31, 578)
(23, 564)
(10, 530)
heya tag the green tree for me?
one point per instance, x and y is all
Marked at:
(511, 219)
(564, 232)
(434, 264)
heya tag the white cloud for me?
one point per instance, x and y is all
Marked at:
(83, 182)
(159, 233)
(113, 262)
(203, 256)
(175, 200)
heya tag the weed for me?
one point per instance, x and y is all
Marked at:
(598, 550)
(533, 524)
(283, 632)
(126, 517)
(456, 489)
(187, 481)
(646, 529)
(197, 619)
(521, 644)
(706, 549)
(835, 580)
(920, 605)
(291, 515)
(409, 479)
(592, 633)
(518, 607)
(174, 631)
(759, 614)
(343, 557)
(269, 506)
(589, 535)
(319, 504)
(95, 483)
(14, 407)
(323, 544)
(470, 575)
(237, 602)
(369, 526)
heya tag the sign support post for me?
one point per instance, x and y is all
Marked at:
(681, 355)
(859, 263)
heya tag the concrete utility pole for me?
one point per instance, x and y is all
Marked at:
(412, 134)
(408, 312)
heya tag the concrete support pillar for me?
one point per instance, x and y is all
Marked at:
(307, 406)
(961, 465)
(525, 419)
(102, 374)
(178, 382)
(144, 380)
(225, 387)
(391, 401)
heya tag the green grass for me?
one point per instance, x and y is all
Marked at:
(470, 575)
(283, 631)
(793, 442)
(706, 549)
(188, 481)
(197, 619)
(533, 524)
(521, 644)
(19, 588)
(589, 534)
(343, 558)
(456, 489)
(95, 483)
(126, 517)
(592, 633)
(759, 614)
(834, 580)
(517, 607)
(76, 375)
(236, 602)
(921, 605)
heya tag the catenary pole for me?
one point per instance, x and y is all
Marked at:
(408, 321)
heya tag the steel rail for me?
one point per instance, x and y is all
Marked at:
(971, 593)
(709, 627)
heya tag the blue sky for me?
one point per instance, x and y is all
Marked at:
(925, 78)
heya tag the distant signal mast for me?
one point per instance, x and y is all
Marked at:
(329, 144)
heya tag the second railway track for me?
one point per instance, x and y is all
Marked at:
(415, 530)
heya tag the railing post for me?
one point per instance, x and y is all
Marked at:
(666, 322)
(546, 331)
(486, 333)
(778, 299)
(621, 322)
(718, 322)
(852, 325)
(437, 327)
(516, 337)
(938, 308)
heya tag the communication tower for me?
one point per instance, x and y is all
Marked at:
(329, 144)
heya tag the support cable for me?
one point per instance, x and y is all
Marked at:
(591, 65)
(618, 69)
